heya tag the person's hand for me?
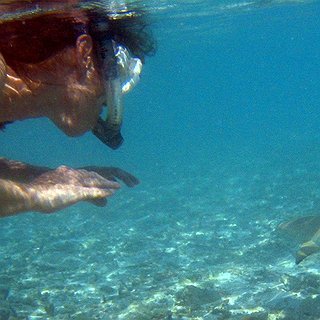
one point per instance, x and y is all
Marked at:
(57, 189)
(113, 173)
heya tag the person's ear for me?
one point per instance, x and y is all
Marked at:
(85, 55)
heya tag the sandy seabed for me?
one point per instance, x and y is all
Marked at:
(201, 245)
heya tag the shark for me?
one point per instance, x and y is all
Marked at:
(306, 230)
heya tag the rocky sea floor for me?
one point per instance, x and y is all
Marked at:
(201, 245)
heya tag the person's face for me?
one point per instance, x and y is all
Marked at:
(84, 93)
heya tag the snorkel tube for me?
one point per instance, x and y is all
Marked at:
(109, 130)
(122, 72)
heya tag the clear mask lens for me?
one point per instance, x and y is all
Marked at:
(129, 68)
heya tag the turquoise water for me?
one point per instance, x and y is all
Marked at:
(223, 132)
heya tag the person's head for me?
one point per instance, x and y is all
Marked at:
(65, 53)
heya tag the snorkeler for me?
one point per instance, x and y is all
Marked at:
(65, 65)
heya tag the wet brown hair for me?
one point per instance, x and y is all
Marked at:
(34, 39)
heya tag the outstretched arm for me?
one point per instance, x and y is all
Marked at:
(14, 198)
(17, 171)
(54, 190)
(25, 173)
(24, 187)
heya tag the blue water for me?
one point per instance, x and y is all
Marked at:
(223, 132)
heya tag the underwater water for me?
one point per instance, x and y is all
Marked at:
(223, 132)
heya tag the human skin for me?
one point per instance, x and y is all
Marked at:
(70, 92)
(24, 187)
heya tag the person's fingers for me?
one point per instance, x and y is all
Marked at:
(92, 179)
(84, 178)
(113, 173)
(96, 193)
(129, 179)
(66, 196)
(132, 181)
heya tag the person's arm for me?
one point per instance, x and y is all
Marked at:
(54, 190)
(24, 173)
(14, 198)
(24, 187)
(19, 171)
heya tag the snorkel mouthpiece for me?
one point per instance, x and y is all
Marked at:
(122, 73)
(109, 136)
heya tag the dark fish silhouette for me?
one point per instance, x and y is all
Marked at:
(306, 230)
